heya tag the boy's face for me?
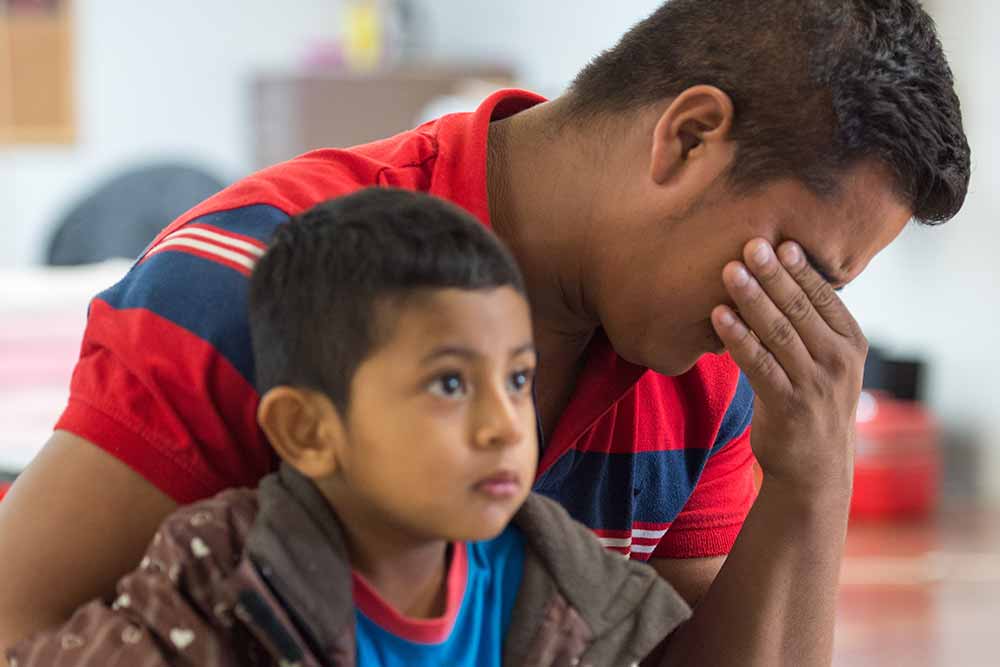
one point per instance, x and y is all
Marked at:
(440, 431)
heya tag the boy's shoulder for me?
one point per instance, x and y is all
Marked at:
(231, 512)
(208, 536)
(575, 589)
(175, 608)
(581, 567)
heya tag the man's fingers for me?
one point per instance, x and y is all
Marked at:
(821, 294)
(792, 302)
(772, 327)
(766, 375)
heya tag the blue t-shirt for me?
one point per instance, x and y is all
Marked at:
(482, 583)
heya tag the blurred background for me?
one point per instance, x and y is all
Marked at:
(116, 116)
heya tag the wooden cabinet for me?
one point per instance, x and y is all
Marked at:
(36, 72)
(295, 113)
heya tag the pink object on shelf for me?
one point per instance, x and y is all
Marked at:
(325, 57)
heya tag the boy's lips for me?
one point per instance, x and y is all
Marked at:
(499, 485)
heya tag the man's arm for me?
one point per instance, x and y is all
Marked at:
(690, 577)
(71, 526)
(774, 600)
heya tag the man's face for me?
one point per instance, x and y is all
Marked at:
(659, 278)
(441, 431)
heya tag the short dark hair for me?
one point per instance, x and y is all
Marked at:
(318, 294)
(818, 85)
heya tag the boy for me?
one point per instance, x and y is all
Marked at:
(393, 349)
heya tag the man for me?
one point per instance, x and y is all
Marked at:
(637, 205)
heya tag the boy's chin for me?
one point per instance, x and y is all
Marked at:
(478, 530)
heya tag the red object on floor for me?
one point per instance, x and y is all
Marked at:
(4, 488)
(897, 466)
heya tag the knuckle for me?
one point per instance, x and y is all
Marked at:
(822, 386)
(838, 364)
(824, 297)
(797, 405)
(752, 297)
(862, 344)
(854, 336)
(781, 332)
(763, 362)
(798, 307)
(771, 273)
(819, 384)
(804, 274)
(747, 339)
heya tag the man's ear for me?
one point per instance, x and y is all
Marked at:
(305, 429)
(692, 136)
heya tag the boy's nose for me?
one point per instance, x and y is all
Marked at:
(498, 423)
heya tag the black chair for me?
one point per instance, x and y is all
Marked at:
(121, 217)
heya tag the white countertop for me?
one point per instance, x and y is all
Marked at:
(42, 317)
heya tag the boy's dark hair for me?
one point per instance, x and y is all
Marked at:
(317, 294)
(817, 86)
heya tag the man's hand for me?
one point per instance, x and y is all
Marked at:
(804, 355)
(773, 603)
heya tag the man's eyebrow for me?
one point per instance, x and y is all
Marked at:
(824, 272)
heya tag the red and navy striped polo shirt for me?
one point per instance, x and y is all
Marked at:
(658, 466)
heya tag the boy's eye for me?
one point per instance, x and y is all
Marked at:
(520, 380)
(449, 385)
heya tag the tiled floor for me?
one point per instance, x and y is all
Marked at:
(922, 594)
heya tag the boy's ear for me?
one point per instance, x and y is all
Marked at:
(305, 429)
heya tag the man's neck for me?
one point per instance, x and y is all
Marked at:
(541, 205)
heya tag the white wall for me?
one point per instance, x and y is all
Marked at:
(935, 292)
(548, 40)
(154, 78)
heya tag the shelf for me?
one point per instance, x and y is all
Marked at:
(36, 76)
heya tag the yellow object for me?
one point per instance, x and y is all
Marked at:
(363, 43)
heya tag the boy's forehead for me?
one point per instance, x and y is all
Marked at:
(479, 318)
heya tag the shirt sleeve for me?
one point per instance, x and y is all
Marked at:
(164, 381)
(711, 519)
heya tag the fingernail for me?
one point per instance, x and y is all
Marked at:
(727, 318)
(762, 254)
(790, 254)
(741, 277)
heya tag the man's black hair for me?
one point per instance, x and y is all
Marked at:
(319, 294)
(817, 85)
